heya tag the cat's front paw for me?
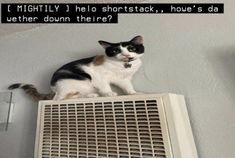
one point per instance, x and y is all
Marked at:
(135, 93)
(92, 95)
(110, 94)
(138, 93)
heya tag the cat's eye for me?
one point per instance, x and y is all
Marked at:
(115, 50)
(131, 49)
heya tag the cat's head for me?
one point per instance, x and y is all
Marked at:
(124, 51)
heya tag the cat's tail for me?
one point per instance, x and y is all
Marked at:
(32, 91)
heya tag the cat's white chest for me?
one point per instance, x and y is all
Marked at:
(113, 71)
(119, 71)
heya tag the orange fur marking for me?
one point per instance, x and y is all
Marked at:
(70, 95)
(98, 60)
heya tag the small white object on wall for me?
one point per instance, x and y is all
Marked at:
(6, 110)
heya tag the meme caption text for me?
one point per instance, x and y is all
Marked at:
(96, 13)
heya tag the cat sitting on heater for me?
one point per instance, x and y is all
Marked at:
(92, 77)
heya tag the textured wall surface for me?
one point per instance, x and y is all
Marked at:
(188, 54)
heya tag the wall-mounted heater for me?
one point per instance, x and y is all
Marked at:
(134, 126)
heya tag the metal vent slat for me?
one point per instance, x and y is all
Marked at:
(112, 129)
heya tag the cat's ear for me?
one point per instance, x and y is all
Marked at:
(104, 44)
(137, 40)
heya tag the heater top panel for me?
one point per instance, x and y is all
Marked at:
(125, 127)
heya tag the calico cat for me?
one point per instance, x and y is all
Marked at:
(92, 77)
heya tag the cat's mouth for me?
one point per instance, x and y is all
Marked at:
(128, 59)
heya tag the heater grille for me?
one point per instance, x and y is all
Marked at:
(125, 128)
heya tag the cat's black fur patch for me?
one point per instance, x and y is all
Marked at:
(28, 86)
(14, 86)
(114, 48)
(72, 71)
(139, 47)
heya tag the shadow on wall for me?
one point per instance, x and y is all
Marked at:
(222, 61)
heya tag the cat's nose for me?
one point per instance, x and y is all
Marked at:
(126, 55)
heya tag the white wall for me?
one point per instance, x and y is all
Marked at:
(188, 54)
